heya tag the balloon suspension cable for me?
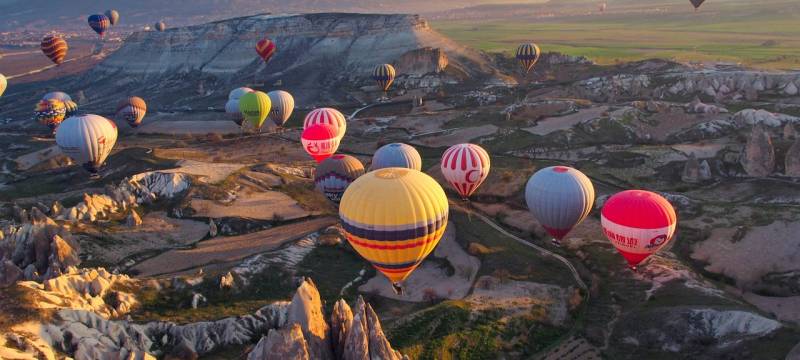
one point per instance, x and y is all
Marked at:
(397, 288)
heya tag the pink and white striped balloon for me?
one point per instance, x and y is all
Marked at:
(465, 167)
(327, 116)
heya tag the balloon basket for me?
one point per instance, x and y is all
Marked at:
(397, 288)
(555, 242)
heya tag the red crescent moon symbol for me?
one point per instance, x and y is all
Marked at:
(312, 148)
(469, 176)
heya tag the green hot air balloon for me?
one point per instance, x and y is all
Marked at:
(255, 107)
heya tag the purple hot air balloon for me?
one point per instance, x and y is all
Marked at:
(99, 23)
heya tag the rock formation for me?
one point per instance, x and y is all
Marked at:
(423, 61)
(793, 159)
(758, 158)
(789, 132)
(281, 344)
(698, 107)
(755, 117)
(39, 246)
(691, 170)
(306, 310)
(133, 219)
(212, 228)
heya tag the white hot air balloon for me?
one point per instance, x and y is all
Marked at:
(282, 106)
(87, 139)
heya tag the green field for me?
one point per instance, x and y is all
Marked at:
(762, 34)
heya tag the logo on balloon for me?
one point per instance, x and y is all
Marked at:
(312, 148)
(657, 241)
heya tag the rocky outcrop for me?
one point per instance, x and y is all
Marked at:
(763, 117)
(133, 219)
(423, 61)
(341, 322)
(306, 310)
(281, 344)
(9, 273)
(793, 160)
(698, 107)
(758, 159)
(789, 132)
(39, 246)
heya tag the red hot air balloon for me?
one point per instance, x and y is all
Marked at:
(55, 48)
(265, 48)
(320, 141)
(327, 116)
(638, 223)
(465, 166)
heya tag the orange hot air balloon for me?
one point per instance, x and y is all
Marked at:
(320, 141)
(55, 48)
(638, 223)
(266, 49)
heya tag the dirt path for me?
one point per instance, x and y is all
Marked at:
(226, 249)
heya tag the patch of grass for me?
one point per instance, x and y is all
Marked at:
(331, 268)
(15, 305)
(308, 197)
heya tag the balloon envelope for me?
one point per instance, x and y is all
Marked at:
(559, 197)
(132, 110)
(57, 95)
(697, 3)
(282, 106)
(237, 93)
(396, 155)
(638, 223)
(50, 112)
(113, 16)
(232, 109)
(255, 107)
(3, 84)
(465, 167)
(335, 174)
(394, 218)
(327, 116)
(71, 108)
(87, 139)
(160, 26)
(384, 75)
(528, 55)
(99, 23)
(55, 48)
(320, 141)
(266, 49)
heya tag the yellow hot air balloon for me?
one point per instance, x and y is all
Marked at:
(255, 107)
(393, 218)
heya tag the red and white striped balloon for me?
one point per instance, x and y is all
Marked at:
(320, 141)
(465, 167)
(638, 223)
(327, 116)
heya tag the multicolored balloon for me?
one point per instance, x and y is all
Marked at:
(232, 109)
(528, 55)
(50, 113)
(113, 16)
(160, 26)
(282, 106)
(87, 139)
(327, 116)
(560, 198)
(394, 218)
(638, 223)
(237, 93)
(57, 95)
(335, 174)
(384, 75)
(266, 49)
(3, 84)
(255, 107)
(320, 141)
(132, 110)
(396, 155)
(99, 23)
(465, 167)
(71, 108)
(55, 48)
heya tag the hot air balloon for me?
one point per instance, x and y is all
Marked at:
(55, 48)
(255, 107)
(335, 174)
(3, 84)
(327, 116)
(527, 55)
(132, 111)
(113, 16)
(237, 93)
(265, 49)
(638, 223)
(603, 7)
(87, 139)
(384, 76)
(394, 218)
(396, 155)
(71, 108)
(559, 197)
(282, 106)
(320, 141)
(232, 109)
(57, 95)
(99, 23)
(465, 167)
(50, 113)
(160, 26)
(697, 3)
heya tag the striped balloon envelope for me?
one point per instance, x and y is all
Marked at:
(57, 95)
(50, 113)
(465, 167)
(320, 141)
(132, 111)
(71, 108)
(113, 16)
(396, 155)
(3, 84)
(160, 26)
(255, 107)
(99, 23)
(282, 106)
(528, 55)
(638, 223)
(335, 174)
(327, 116)
(237, 93)
(266, 49)
(87, 139)
(55, 48)
(394, 218)
(384, 75)
(560, 198)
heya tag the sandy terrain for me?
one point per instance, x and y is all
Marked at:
(516, 297)
(247, 149)
(553, 124)
(156, 232)
(226, 249)
(430, 277)
(574, 349)
(259, 205)
(189, 127)
(209, 172)
(765, 249)
(456, 136)
(518, 219)
(784, 308)
(701, 151)
(30, 160)
(423, 123)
